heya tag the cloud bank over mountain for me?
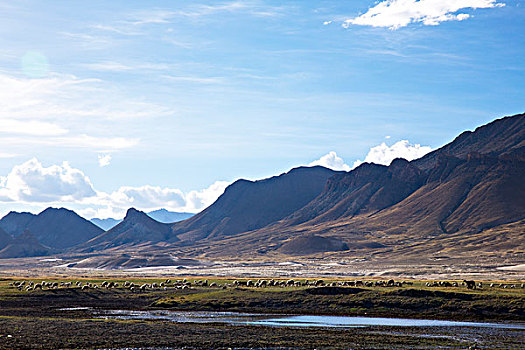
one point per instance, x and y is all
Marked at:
(380, 154)
(37, 185)
(331, 161)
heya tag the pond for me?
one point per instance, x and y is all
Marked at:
(290, 320)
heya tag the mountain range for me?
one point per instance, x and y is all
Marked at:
(161, 215)
(465, 198)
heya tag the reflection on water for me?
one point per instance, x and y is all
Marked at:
(290, 321)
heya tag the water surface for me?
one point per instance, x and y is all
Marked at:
(292, 320)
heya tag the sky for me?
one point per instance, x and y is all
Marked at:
(162, 104)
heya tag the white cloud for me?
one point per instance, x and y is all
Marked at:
(327, 23)
(104, 160)
(31, 127)
(153, 197)
(331, 161)
(37, 186)
(395, 14)
(383, 154)
(196, 200)
(7, 155)
(32, 182)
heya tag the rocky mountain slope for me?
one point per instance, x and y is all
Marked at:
(54, 228)
(15, 223)
(136, 228)
(250, 205)
(468, 197)
(462, 192)
(24, 245)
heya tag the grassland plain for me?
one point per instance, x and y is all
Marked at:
(64, 317)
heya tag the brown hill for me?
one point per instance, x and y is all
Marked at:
(24, 245)
(467, 196)
(136, 228)
(250, 205)
(15, 223)
(502, 137)
(311, 244)
(368, 188)
(55, 228)
(5, 238)
(459, 193)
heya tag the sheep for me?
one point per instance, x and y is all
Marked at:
(470, 284)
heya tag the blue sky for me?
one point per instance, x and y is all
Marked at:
(161, 103)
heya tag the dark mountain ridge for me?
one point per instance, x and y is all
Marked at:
(250, 205)
(56, 228)
(136, 228)
(502, 137)
(468, 193)
(24, 245)
(15, 223)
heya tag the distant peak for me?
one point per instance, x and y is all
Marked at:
(56, 210)
(133, 214)
(399, 162)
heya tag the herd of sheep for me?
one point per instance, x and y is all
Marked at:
(473, 285)
(186, 284)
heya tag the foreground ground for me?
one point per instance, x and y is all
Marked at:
(36, 319)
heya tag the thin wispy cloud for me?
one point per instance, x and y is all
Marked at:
(195, 79)
(114, 66)
(54, 112)
(395, 14)
(135, 23)
(253, 8)
(119, 28)
(96, 143)
(4, 155)
(30, 127)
